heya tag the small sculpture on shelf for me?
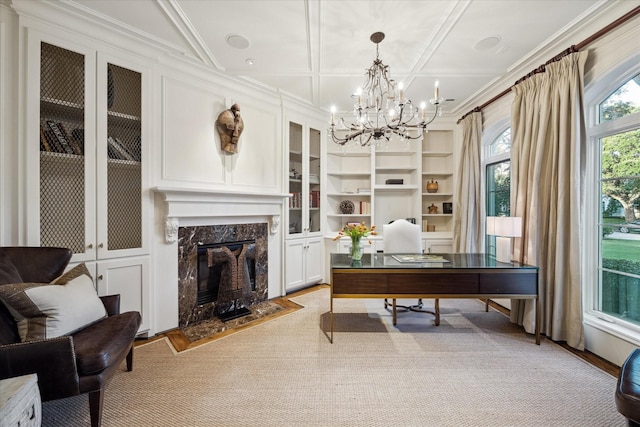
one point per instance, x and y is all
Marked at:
(346, 207)
(433, 209)
(432, 187)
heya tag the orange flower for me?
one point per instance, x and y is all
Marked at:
(356, 231)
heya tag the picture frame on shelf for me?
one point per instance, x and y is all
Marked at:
(447, 208)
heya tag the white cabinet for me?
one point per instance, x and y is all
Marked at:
(369, 246)
(303, 259)
(86, 133)
(304, 243)
(437, 246)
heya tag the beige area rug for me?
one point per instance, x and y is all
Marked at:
(475, 369)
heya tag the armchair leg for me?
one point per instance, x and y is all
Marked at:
(95, 407)
(130, 359)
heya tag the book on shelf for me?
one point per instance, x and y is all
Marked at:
(394, 181)
(314, 199)
(364, 191)
(50, 142)
(365, 208)
(78, 135)
(116, 150)
(61, 137)
(44, 143)
(73, 143)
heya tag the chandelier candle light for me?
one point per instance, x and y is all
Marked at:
(382, 110)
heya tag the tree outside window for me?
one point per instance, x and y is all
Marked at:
(619, 234)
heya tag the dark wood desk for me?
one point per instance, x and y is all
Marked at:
(462, 276)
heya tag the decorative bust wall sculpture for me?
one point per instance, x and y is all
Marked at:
(230, 127)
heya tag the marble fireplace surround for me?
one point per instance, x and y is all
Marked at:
(217, 216)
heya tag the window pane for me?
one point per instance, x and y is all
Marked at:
(501, 144)
(498, 196)
(499, 189)
(624, 101)
(619, 226)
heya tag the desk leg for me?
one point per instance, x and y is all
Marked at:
(395, 316)
(537, 321)
(331, 320)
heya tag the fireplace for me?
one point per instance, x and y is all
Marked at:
(222, 270)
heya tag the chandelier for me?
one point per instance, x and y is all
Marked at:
(382, 110)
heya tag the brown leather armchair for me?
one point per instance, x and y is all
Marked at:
(70, 365)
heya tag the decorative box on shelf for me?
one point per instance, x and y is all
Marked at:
(395, 181)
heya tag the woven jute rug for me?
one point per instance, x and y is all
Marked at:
(475, 369)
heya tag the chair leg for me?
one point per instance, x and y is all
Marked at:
(130, 359)
(95, 407)
(437, 310)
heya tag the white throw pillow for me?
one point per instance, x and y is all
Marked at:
(49, 310)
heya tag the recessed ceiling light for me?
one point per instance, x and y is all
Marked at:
(237, 41)
(250, 61)
(487, 43)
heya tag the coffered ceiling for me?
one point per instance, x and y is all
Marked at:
(318, 50)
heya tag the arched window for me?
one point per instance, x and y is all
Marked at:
(615, 247)
(498, 181)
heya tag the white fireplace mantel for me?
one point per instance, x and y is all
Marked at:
(193, 203)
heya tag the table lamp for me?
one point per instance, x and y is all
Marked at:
(504, 228)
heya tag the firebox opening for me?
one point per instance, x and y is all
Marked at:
(227, 276)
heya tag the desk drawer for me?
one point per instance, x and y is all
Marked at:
(361, 283)
(509, 283)
(437, 283)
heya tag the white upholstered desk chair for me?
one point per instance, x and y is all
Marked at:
(403, 237)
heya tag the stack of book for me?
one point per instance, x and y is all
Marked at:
(365, 208)
(55, 139)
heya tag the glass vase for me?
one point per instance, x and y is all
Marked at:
(356, 249)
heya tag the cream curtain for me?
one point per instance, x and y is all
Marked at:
(547, 175)
(467, 213)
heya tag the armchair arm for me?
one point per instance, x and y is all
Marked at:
(53, 360)
(111, 304)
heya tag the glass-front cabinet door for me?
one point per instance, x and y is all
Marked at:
(85, 151)
(304, 212)
(121, 145)
(65, 157)
(295, 179)
(314, 181)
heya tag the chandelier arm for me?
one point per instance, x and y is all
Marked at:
(375, 115)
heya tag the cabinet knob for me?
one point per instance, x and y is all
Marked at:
(90, 246)
(100, 277)
(101, 245)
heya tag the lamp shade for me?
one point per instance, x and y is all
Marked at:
(504, 226)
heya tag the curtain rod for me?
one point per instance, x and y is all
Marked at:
(572, 49)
